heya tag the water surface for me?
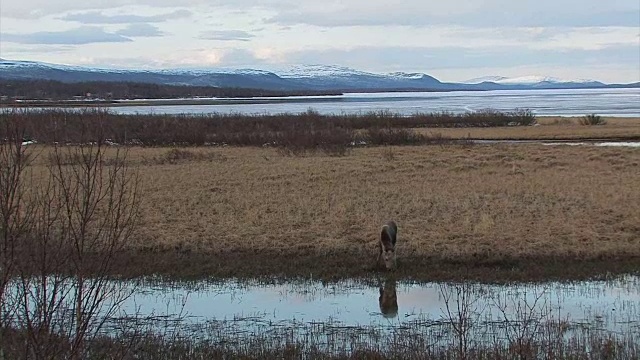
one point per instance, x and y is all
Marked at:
(609, 305)
(574, 102)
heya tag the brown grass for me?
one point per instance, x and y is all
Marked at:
(549, 128)
(470, 205)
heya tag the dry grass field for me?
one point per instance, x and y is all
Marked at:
(521, 208)
(233, 211)
(549, 128)
(450, 202)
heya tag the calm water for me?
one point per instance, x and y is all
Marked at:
(611, 305)
(612, 102)
(336, 316)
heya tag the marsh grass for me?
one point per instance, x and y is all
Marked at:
(517, 207)
(182, 155)
(328, 340)
(455, 203)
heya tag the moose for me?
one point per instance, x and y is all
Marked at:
(387, 244)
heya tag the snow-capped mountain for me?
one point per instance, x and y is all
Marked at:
(315, 70)
(480, 80)
(404, 75)
(526, 80)
(296, 77)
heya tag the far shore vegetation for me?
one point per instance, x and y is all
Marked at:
(39, 92)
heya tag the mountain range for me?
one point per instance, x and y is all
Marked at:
(303, 77)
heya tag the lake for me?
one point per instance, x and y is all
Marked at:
(576, 102)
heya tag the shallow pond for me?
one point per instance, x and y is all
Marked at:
(611, 305)
(380, 314)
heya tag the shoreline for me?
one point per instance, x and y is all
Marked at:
(245, 265)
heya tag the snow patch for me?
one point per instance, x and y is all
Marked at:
(525, 80)
(309, 71)
(482, 79)
(404, 75)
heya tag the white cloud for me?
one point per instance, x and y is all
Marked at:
(140, 30)
(226, 35)
(77, 36)
(488, 13)
(97, 17)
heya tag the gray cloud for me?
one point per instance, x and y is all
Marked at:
(515, 19)
(406, 58)
(241, 57)
(78, 36)
(226, 35)
(229, 58)
(140, 30)
(34, 9)
(488, 13)
(36, 48)
(97, 17)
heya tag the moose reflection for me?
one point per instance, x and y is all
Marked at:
(388, 299)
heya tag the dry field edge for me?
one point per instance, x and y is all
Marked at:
(493, 212)
(551, 128)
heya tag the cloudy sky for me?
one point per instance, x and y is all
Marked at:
(452, 40)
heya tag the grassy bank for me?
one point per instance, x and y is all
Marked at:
(528, 210)
(550, 128)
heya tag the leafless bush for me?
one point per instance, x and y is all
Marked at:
(462, 306)
(76, 126)
(60, 236)
(15, 207)
(301, 140)
(393, 136)
(592, 119)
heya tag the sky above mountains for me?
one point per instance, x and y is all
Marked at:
(453, 40)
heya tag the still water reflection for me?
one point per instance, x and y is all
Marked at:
(612, 305)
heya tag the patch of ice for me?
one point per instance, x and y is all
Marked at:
(621, 144)
(601, 144)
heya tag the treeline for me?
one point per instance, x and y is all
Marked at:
(58, 91)
(292, 132)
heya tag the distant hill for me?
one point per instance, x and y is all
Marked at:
(306, 78)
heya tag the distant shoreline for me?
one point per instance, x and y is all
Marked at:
(169, 102)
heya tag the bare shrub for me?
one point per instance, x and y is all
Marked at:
(15, 206)
(334, 141)
(90, 125)
(60, 237)
(393, 136)
(462, 304)
(592, 119)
